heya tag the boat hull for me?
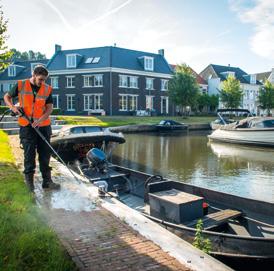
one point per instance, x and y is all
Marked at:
(254, 246)
(263, 137)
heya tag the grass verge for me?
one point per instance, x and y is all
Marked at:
(26, 243)
(112, 121)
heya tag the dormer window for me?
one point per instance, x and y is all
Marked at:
(71, 61)
(228, 73)
(253, 79)
(148, 63)
(11, 71)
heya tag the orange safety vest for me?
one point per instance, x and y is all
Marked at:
(34, 110)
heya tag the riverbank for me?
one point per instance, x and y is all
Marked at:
(26, 242)
(114, 121)
(107, 235)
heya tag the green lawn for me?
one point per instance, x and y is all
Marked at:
(112, 121)
(26, 243)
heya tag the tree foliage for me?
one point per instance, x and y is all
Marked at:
(210, 102)
(30, 55)
(266, 97)
(183, 87)
(5, 54)
(231, 94)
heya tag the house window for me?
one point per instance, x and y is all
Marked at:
(70, 102)
(149, 102)
(164, 105)
(71, 61)
(70, 81)
(149, 83)
(253, 79)
(87, 81)
(123, 81)
(164, 84)
(93, 102)
(11, 71)
(96, 60)
(132, 102)
(149, 63)
(98, 101)
(133, 82)
(98, 80)
(55, 99)
(123, 102)
(54, 82)
(231, 74)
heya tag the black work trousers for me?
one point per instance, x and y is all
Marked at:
(32, 142)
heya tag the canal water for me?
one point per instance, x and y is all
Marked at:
(191, 158)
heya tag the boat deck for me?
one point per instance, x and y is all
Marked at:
(216, 219)
(135, 202)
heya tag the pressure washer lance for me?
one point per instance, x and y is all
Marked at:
(45, 140)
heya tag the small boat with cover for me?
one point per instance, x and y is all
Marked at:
(74, 141)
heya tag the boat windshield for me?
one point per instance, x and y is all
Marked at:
(263, 124)
(269, 123)
(162, 122)
(85, 129)
(77, 130)
(92, 129)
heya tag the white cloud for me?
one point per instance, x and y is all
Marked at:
(260, 14)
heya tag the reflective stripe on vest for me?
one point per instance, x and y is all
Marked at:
(33, 109)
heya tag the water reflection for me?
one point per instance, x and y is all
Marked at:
(191, 158)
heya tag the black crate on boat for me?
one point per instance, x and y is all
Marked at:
(175, 206)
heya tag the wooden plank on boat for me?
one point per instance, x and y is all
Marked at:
(239, 229)
(215, 219)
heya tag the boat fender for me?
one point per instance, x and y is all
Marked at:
(205, 208)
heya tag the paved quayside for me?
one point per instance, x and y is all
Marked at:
(104, 234)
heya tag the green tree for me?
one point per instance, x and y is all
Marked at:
(30, 55)
(183, 87)
(266, 97)
(203, 101)
(213, 102)
(5, 54)
(208, 102)
(231, 94)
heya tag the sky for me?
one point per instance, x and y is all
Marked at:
(195, 32)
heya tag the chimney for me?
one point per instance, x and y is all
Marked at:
(161, 52)
(58, 48)
(228, 65)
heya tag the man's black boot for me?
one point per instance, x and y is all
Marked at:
(29, 181)
(48, 183)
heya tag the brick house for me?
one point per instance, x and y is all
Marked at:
(110, 80)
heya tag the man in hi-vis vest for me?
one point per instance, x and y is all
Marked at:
(35, 99)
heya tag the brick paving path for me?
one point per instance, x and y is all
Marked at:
(98, 241)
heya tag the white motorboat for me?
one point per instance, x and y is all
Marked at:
(250, 131)
(227, 116)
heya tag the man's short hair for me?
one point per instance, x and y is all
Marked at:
(40, 70)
